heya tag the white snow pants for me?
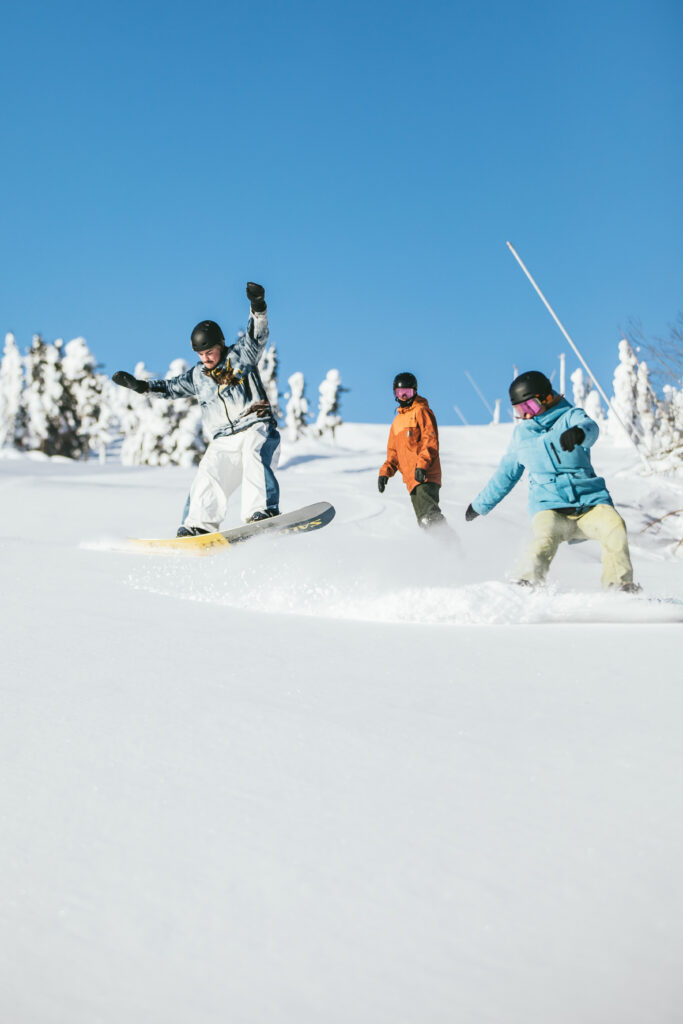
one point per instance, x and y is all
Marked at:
(248, 458)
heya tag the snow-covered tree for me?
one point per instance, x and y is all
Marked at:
(585, 396)
(186, 444)
(12, 424)
(159, 432)
(132, 410)
(51, 422)
(328, 404)
(297, 406)
(646, 406)
(95, 419)
(624, 400)
(593, 406)
(579, 389)
(268, 365)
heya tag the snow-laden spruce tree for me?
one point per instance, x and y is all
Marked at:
(96, 421)
(161, 432)
(668, 441)
(328, 404)
(267, 366)
(186, 443)
(585, 396)
(51, 422)
(624, 400)
(579, 389)
(12, 423)
(297, 407)
(646, 407)
(132, 410)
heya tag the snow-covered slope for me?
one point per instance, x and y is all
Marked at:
(352, 776)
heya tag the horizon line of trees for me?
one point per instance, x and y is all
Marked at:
(54, 399)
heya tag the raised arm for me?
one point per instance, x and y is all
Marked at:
(250, 347)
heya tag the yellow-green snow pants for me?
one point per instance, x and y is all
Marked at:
(601, 522)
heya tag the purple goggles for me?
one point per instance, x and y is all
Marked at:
(529, 408)
(403, 394)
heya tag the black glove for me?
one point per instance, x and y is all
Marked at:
(420, 475)
(256, 294)
(127, 380)
(470, 514)
(382, 483)
(570, 438)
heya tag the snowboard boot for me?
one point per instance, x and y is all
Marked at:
(190, 531)
(267, 513)
(630, 588)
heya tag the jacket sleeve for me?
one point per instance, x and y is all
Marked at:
(429, 440)
(250, 346)
(501, 483)
(580, 418)
(175, 387)
(391, 464)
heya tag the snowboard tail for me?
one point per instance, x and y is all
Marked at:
(302, 520)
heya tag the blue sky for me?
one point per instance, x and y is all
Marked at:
(366, 162)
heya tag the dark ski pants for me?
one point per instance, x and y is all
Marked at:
(425, 499)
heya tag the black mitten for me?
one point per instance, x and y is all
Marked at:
(256, 294)
(420, 475)
(382, 483)
(127, 380)
(470, 514)
(570, 438)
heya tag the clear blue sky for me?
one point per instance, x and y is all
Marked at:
(366, 162)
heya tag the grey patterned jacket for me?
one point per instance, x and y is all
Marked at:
(227, 393)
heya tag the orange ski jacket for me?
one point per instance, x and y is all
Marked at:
(413, 443)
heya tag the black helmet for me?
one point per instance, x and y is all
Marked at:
(207, 334)
(405, 380)
(532, 384)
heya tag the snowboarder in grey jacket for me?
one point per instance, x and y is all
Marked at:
(245, 441)
(567, 500)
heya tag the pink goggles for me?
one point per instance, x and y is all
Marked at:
(531, 407)
(403, 394)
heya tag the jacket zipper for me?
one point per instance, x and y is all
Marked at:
(555, 451)
(232, 425)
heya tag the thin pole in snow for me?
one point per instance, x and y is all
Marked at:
(563, 382)
(461, 416)
(469, 377)
(578, 354)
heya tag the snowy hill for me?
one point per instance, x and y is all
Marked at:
(349, 777)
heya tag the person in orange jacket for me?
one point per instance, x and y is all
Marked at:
(413, 448)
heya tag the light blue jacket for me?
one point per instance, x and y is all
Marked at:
(557, 479)
(226, 406)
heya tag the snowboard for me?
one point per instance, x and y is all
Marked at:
(302, 520)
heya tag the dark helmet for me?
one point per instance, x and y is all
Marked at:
(207, 334)
(405, 380)
(532, 384)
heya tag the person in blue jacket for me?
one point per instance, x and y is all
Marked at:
(567, 501)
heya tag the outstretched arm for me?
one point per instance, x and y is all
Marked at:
(175, 387)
